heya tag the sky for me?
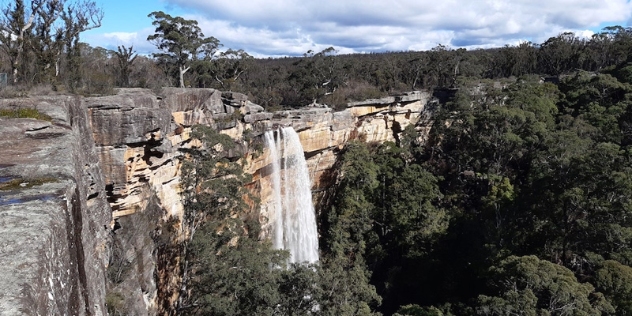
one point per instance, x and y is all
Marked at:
(275, 28)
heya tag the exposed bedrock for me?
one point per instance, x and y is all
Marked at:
(54, 217)
(138, 133)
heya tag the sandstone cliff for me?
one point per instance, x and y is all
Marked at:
(111, 169)
(138, 135)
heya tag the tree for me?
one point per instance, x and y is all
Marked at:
(45, 35)
(14, 27)
(615, 281)
(180, 41)
(229, 66)
(213, 191)
(125, 57)
(316, 75)
(350, 220)
(530, 286)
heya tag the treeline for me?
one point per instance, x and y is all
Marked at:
(41, 46)
(337, 79)
(40, 43)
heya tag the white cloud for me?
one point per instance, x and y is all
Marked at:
(114, 39)
(292, 27)
(122, 36)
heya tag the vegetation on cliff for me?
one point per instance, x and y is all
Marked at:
(518, 202)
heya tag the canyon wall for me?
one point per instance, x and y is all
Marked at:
(109, 171)
(138, 135)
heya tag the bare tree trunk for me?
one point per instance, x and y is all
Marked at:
(183, 70)
(20, 46)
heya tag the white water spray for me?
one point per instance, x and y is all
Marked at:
(293, 216)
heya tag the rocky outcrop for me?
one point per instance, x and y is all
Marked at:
(323, 133)
(138, 135)
(54, 236)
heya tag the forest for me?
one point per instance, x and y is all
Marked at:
(518, 202)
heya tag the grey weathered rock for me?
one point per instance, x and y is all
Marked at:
(182, 100)
(410, 96)
(53, 212)
(252, 118)
(342, 120)
(234, 99)
(251, 108)
(382, 101)
(115, 126)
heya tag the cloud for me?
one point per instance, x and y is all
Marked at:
(114, 39)
(122, 36)
(292, 27)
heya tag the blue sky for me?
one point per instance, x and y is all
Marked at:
(292, 27)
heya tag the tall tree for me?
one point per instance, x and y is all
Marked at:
(78, 17)
(45, 34)
(530, 286)
(180, 41)
(13, 29)
(125, 57)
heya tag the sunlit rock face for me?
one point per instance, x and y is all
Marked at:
(138, 134)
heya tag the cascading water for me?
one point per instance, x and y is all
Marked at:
(293, 216)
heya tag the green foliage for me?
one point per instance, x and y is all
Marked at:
(315, 76)
(125, 57)
(416, 310)
(350, 217)
(180, 41)
(530, 286)
(233, 274)
(344, 288)
(615, 281)
(25, 113)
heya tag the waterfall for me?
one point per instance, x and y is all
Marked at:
(293, 217)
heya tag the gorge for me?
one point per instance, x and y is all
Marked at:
(92, 187)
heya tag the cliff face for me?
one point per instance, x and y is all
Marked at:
(54, 231)
(138, 135)
(323, 133)
(94, 187)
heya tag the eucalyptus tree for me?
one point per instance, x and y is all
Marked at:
(43, 33)
(181, 42)
(16, 22)
(125, 57)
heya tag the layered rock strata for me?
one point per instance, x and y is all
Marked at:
(138, 135)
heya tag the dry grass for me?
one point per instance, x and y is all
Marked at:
(25, 113)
